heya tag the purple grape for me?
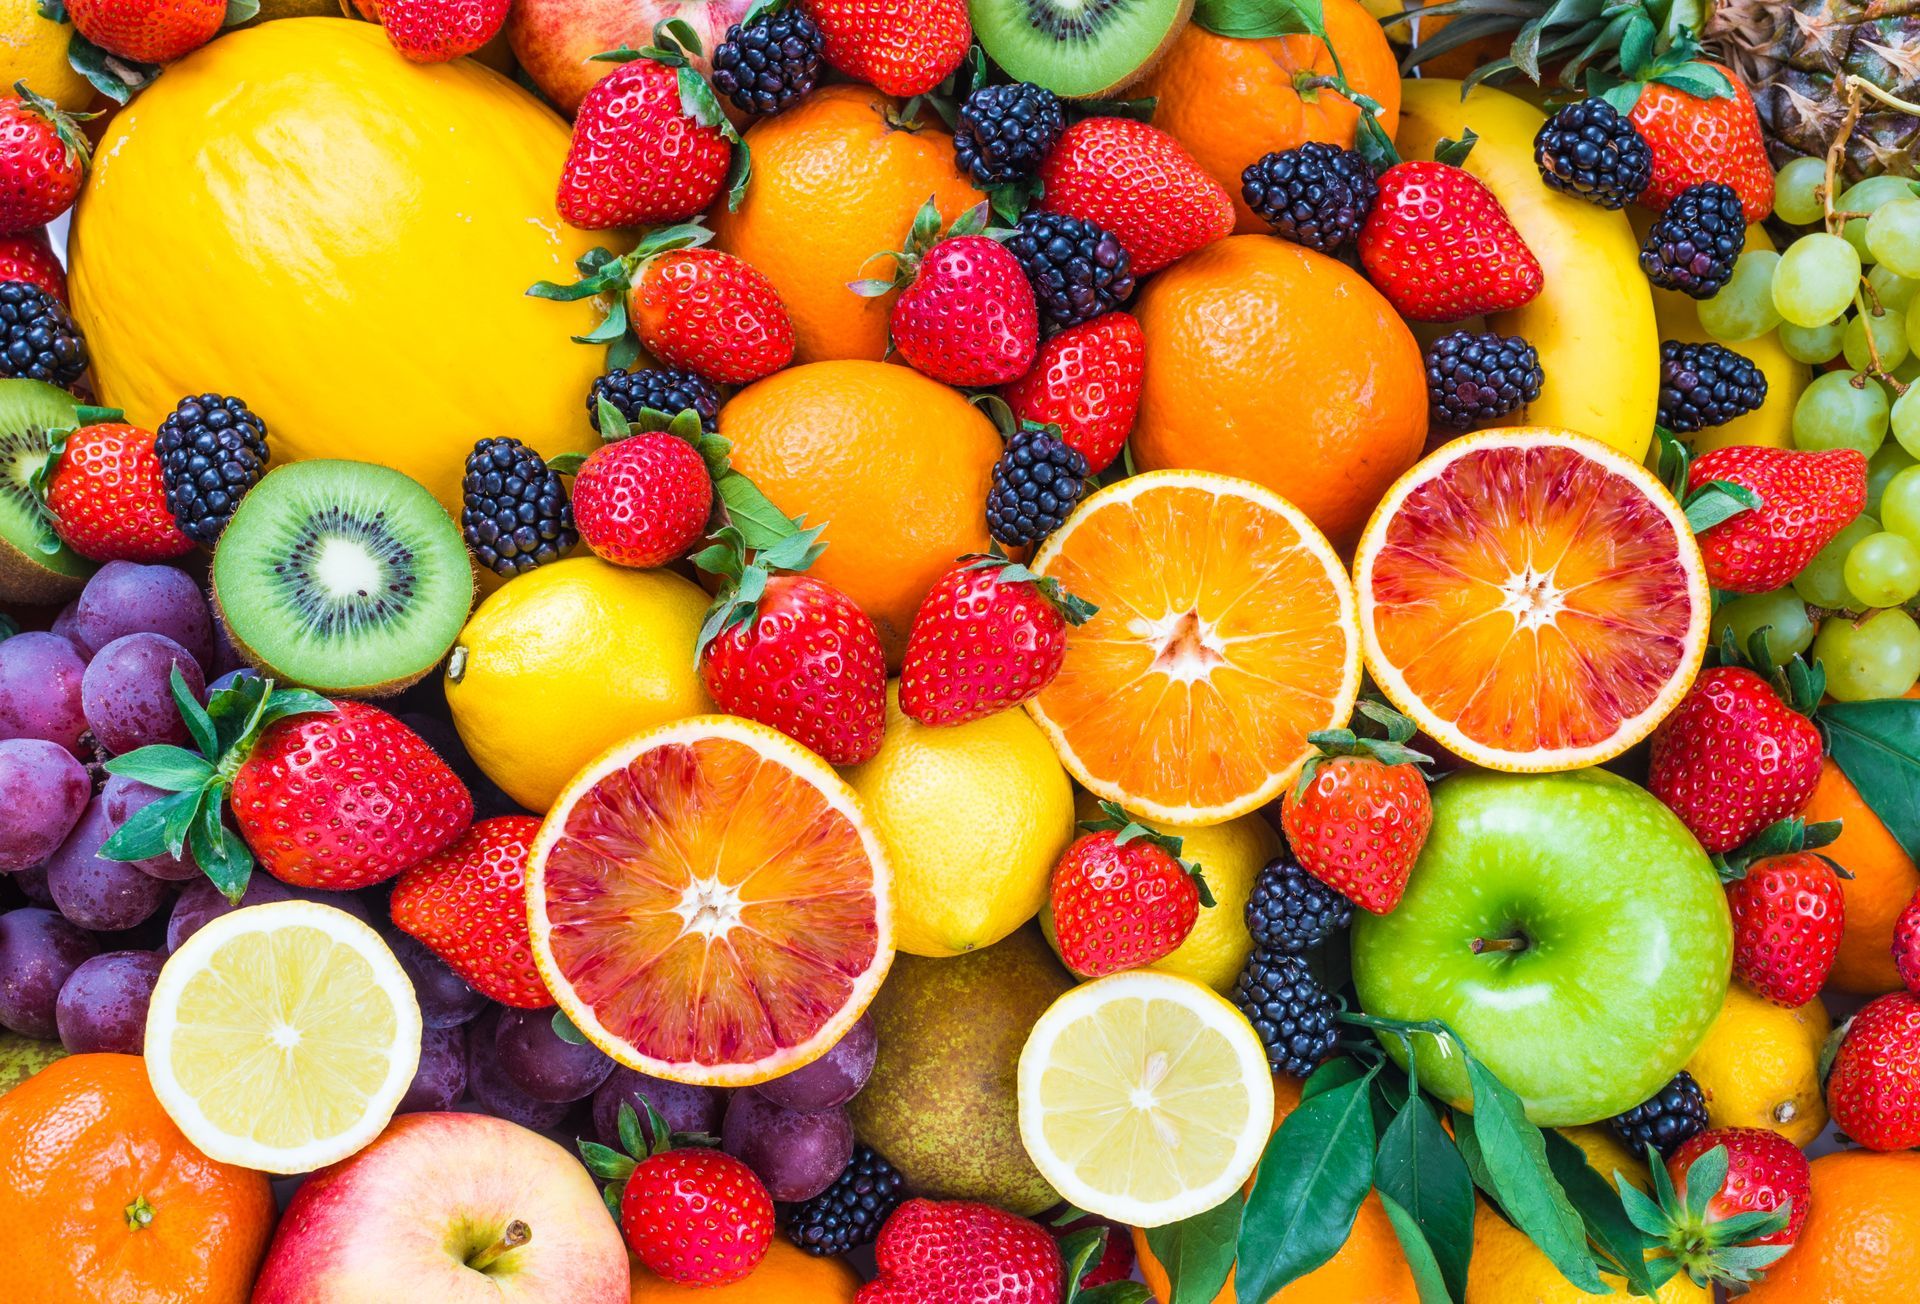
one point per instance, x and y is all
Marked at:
(685, 1108)
(441, 1079)
(122, 797)
(103, 1003)
(38, 952)
(125, 597)
(229, 679)
(63, 625)
(127, 693)
(542, 1063)
(104, 895)
(200, 902)
(495, 1092)
(833, 1079)
(40, 677)
(43, 792)
(32, 882)
(797, 1155)
(446, 1001)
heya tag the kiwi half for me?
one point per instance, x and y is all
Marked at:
(1080, 49)
(343, 577)
(29, 410)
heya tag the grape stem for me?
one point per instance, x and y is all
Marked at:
(1875, 368)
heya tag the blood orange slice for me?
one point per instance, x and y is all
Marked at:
(708, 904)
(1533, 599)
(1225, 635)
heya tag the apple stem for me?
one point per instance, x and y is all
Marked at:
(1481, 945)
(516, 1235)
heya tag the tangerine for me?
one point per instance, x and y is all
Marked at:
(786, 1274)
(1857, 1246)
(1884, 880)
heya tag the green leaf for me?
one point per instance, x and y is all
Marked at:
(240, 11)
(1428, 1281)
(183, 815)
(144, 834)
(1877, 746)
(1082, 1249)
(199, 724)
(8, 627)
(1717, 501)
(1602, 1211)
(1114, 1292)
(54, 11)
(1197, 1252)
(611, 327)
(112, 76)
(563, 1029)
(174, 769)
(632, 1139)
(605, 1162)
(1699, 81)
(567, 463)
(285, 702)
(1419, 1168)
(220, 853)
(1307, 1191)
(1255, 19)
(760, 523)
(739, 173)
(1333, 1073)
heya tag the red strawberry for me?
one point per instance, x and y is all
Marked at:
(1086, 380)
(469, 905)
(1139, 183)
(1873, 1092)
(903, 47)
(1749, 1202)
(1116, 1252)
(966, 315)
(1787, 916)
(959, 1252)
(1733, 758)
(989, 635)
(434, 31)
(642, 500)
(1805, 500)
(148, 31)
(43, 160)
(1441, 248)
(712, 313)
(1121, 897)
(696, 1217)
(107, 499)
(1360, 813)
(1906, 944)
(29, 258)
(1697, 137)
(1765, 1172)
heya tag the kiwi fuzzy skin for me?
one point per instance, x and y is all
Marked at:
(25, 581)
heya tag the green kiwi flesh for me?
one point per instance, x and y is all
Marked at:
(1079, 49)
(29, 572)
(344, 577)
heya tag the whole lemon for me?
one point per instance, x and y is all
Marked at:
(1507, 1268)
(33, 49)
(1760, 1066)
(378, 225)
(565, 661)
(974, 815)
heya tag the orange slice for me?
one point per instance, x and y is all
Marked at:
(708, 904)
(1532, 599)
(1226, 634)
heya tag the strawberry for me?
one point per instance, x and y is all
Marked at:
(1787, 915)
(434, 31)
(696, 1217)
(1906, 944)
(469, 905)
(643, 499)
(106, 496)
(989, 635)
(148, 31)
(965, 314)
(29, 257)
(1440, 248)
(1121, 897)
(1141, 184)
(1358, 816)
(1116, 1258)
(1086, 380)
(43, 160)
(960, 1252)
(1873, 1091)
(1750, 1189)
(1806, 498)
(902, 47)
(650, 142)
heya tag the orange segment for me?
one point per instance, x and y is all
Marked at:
(1533, 599)
(708, 905)
(1225, 635)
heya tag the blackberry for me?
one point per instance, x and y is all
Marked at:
(664, 389)
(1476, 377)
(38, 340)
(514, 514)
(1290, 1010)
(1693, 245)
(765, 65)
(848, 1214)
(1316, 194)
(1290, 911)
(212, 449)
(1588, 149)
(1705, 385)
(1676, 1114)
(1036, 483)
(1078, 270)
(1003, 133)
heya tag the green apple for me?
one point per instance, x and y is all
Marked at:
(1567, 927)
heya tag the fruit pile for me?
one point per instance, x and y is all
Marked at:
(959, 651)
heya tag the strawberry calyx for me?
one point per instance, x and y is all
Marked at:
(1453, 152)
(1114, 819)
(1073, 609)
(1390, 750)
(1711, 503)
(1781, 838)
(65, 124)
(1644, 60)
(197, 782)
(745, 569)
(603, 272)
(614, 1167)
(922, 236)
(113, 76)
(1799, 685)
(1711, 1251)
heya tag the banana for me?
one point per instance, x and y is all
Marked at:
(1593, 322)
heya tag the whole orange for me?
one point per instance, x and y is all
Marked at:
(1273, 363)
(1863, 1222)
(836, 180)
(786, 1274)
(102, 1198)
(1883, 881)
(1369, 1269)
(894, 465)
(1230, 101)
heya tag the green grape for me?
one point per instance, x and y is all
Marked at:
(1877, 657)
(1796, 197)
(1889, 336)
(1913, 321)
(1883, 570)
(1893, 235)
(1816, 279)
(1895, 293)
(1905, 420)
(1909, 371)
(1890, 461)
(1824, 581)
(1743, 310)
(1867, 197)
(1813, 343)
(1899, 506)
(1782, 613)
(1833, 413)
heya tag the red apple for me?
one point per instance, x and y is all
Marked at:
(554, 40)
(449, 1208)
